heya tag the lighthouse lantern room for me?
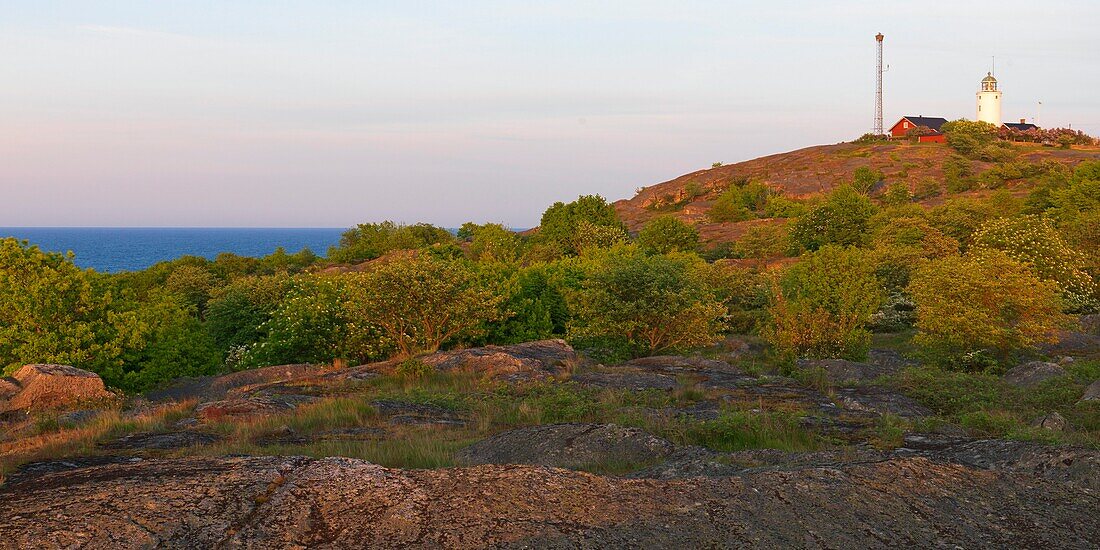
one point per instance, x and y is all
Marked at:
(989, 101)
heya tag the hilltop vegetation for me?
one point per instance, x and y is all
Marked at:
(725, 201)
(894, 331)
(966, 284)
(889, 219)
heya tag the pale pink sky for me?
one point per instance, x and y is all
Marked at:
(212, 113)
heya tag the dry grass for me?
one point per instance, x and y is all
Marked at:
(52, 443)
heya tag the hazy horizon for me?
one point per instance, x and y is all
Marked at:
(328, 114)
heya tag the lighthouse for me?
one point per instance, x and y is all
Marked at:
(989, 101)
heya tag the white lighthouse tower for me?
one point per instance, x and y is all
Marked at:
(989, 101)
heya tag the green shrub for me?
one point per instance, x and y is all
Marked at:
(1034, 242)
(665, 234)
(744, 200)
(958, 174)
(763, 242)
(414, 369)
(959, 218)
(778, 206)
(843, 219)
(896, 194)
(865, 178)
(823, 305)
(744, 293)
(54, 312)
(927, 188)
(650, 302)
(371, 240)
(418, 304)
(984, 302)
(534, 297)
(586, 222)
(310, 325)
(969, 137)
(902, 244)
(491, 242)
(236, 311)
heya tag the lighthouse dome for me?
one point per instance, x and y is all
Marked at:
(989, 78)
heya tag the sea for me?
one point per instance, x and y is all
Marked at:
(115, 249)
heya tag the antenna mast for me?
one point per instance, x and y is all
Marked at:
(878, 87)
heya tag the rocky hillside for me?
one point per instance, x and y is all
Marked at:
(531, 445)
(805, 173)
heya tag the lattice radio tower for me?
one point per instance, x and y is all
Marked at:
(878, 86)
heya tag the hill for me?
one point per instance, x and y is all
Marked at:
(812, 171)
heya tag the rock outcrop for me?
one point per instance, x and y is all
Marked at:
(296, 502)
(160, 441)
(570, 446)
(1053, 422)
(8, 387)
(253, 405)
(1090, 324)
(1092, 393)
(1073, 344)
(52, 387)
(403, 412)
(1033, 373)
(520, 362)
(530, 361)
(841, 371)
(663, 372)
(880, 401)
(218, 387)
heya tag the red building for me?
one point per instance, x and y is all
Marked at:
(932, 125)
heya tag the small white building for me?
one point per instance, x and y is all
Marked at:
(989, 101)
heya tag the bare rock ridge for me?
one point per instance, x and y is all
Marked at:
(267, 502)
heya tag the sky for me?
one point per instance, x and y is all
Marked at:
(331, 113)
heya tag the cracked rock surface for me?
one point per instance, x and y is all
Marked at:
(296, 502)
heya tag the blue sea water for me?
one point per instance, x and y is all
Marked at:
(113, 249)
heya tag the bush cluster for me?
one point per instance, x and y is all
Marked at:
(980, 279)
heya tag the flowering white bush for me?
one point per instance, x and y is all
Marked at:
(1033, 241)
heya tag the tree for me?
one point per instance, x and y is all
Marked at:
(1033, 241)
(177, 345)
(492, 242)
(865, 178)
(648, 303)
(969, 137)
(534, 299)
(843, 219)
(665, 234)
(590, 236)
(742, 201)
(961, 217)
(897, 194)
(958, 174)
(982, 303)
(237, 311)
(562, 224)
(54, 312)
(371, 240)
(421, 303)
(903, 244)
(763, 242)
(822, 304)
(310, 325)
(192, 285)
